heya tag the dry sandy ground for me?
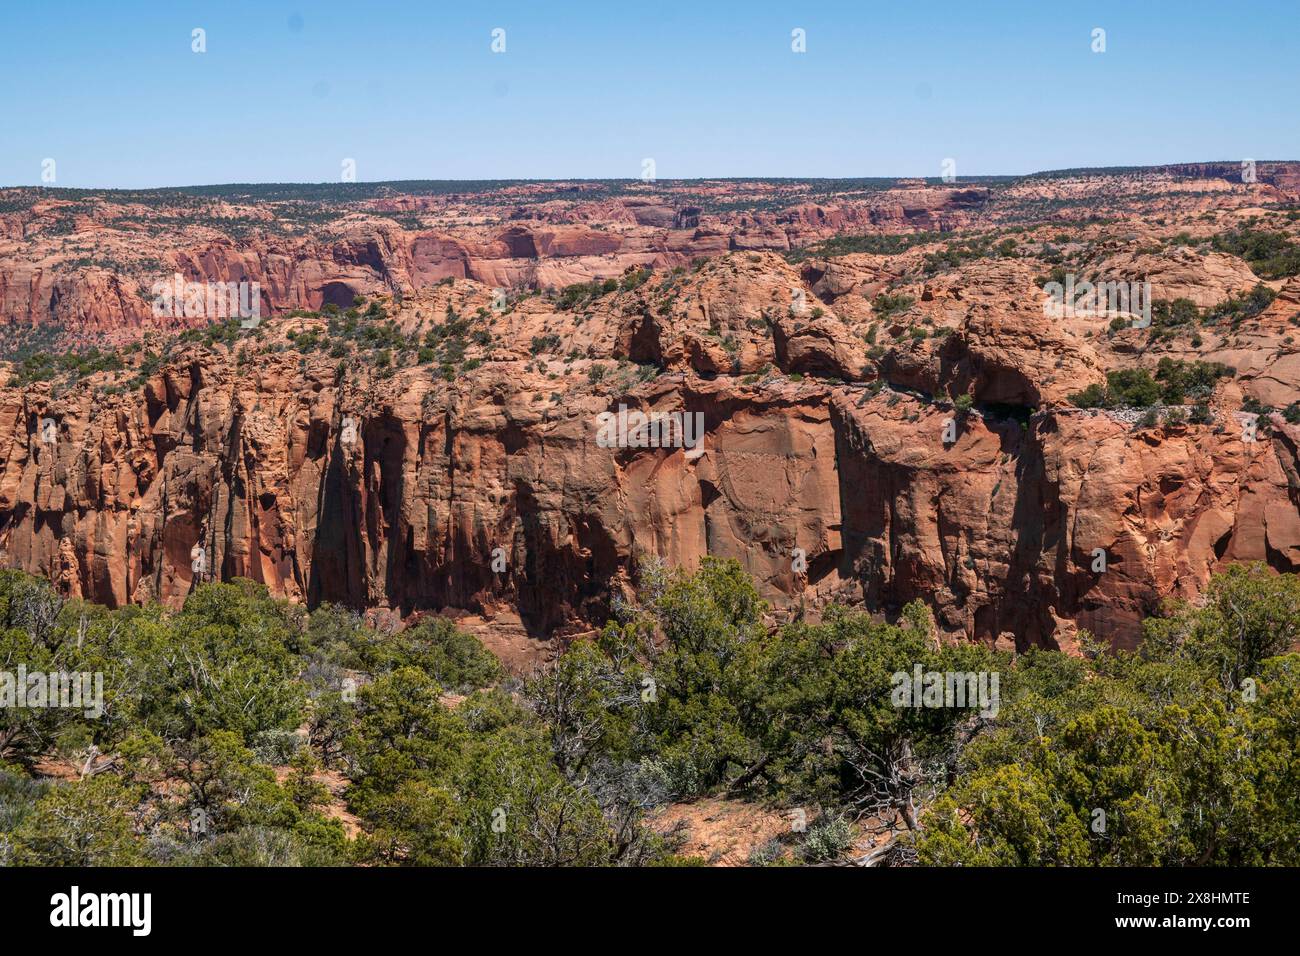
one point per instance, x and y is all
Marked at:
(723, 832)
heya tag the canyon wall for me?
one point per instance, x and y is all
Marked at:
(997, 529)
(351, 457)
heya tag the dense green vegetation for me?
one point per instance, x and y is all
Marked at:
(42, 366)
(961, 251)
(224, 722)
(1174, 382)
(1271, 255)
(1188, 747)
(888, 244)
(582, 294)
(885, 306)
(1239, 308)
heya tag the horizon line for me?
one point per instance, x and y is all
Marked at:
(658, 179)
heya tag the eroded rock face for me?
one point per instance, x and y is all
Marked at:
(400, 492)
(87, 268)
(1002, 530)
(830, 458)
(1180, 273)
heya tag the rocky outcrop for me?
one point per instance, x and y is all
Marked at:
(492, 495)
(832, 458)
(1283, 176)
(1076, 521)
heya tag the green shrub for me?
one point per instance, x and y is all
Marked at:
(885, 306)
(827, 840)
(1271, 255)
(1238, 309)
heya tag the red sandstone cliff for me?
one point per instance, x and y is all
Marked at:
(996, 529)
(829, 431)
(85, 267)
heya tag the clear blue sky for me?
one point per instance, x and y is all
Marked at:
(411, 90)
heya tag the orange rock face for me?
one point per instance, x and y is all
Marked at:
(831, 458)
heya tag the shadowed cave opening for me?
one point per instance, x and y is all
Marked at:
(338, 294)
